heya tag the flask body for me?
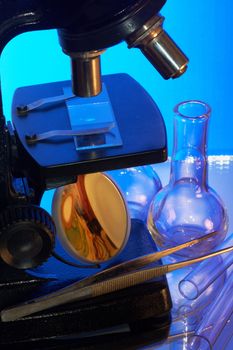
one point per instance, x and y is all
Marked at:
(139, 185)
(188, 207)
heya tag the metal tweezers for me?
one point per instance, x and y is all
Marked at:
(124, 275)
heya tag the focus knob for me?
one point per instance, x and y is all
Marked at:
(27, 235)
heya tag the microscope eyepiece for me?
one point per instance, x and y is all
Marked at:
(159, 48)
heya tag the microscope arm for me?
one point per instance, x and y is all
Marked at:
(82, 25)
(85, 28)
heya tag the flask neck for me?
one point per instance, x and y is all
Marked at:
(189, 162)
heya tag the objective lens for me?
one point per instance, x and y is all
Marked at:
(86, 73)
(159, 48)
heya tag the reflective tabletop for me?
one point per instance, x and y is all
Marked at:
(202, 320)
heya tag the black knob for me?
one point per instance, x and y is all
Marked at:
(27, 235)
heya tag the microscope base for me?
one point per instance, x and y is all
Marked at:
(137, 315)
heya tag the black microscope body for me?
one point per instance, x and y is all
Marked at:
(82, 26)
(27, 169)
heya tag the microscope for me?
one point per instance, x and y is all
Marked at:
(60, 130)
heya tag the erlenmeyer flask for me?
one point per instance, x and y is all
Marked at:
(187, 207)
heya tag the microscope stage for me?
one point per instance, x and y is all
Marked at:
(139, 120)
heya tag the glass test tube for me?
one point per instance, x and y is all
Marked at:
(197, 281)
(218, 314)
(182, 341)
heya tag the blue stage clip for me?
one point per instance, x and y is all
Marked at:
(24, 109)
(34, 138)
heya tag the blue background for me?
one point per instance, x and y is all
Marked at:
(202, 28)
